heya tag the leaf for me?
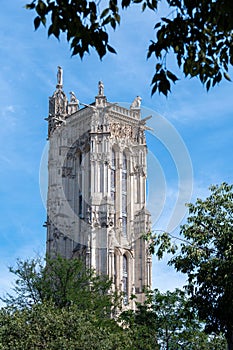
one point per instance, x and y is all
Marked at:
(113, 23)
(107, 20)
(111, 49)
(117, 18)
(156, 78)
(104, 13)
(166, 20)
(208, 85)
(157, 25)
(41, 8)
(30, 6)
(50, 30)
(226, 76)
(37, 21)
(164, 86)
(153, 91)
(143, 6)
(125, 3)
(172, 76)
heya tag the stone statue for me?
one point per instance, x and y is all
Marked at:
(73, 98)
(59, 76)
(101, 88)
(136, 102)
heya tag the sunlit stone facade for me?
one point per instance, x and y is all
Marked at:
(97, 188)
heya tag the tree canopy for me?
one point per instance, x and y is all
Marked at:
(45, 326)
(199, 33)
(206, 256)
(63, 282)
(61, 305)
(173, 323)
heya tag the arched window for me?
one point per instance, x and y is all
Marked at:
(124, 195)
(125, 280)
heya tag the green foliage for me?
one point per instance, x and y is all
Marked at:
(60, 305)
(178, 326)
(207, 258)
(198, 33)
(45, 326)
(141, 326)
(82, 21)
(160, 242)
(169, 322)
(63, 282)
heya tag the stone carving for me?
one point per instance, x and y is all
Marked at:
(102, 218)
(141, 136)
(139, 169)
(101, 88)
(54, 122)
(136, 103)
(67, 171)
(73, 105)
(128, 132)
(60, 103)
(73, 98)
(59, 77)
(121, 130)
(88, 214)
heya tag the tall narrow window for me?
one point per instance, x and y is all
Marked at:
(80, 204)
(125, 280)
(80, 179)
(115, 271)
(113, 182)
(124, 195)
(80, 158)
(113, 176)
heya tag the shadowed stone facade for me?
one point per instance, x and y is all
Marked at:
(97, 188)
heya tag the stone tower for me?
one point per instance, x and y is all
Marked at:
(97, 188)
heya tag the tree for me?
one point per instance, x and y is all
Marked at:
(45, 326)
(141, 325)
(63, 282)
(62, 305)
(171, 321)
(197, 32)
(206, 256)
(178, 326)
(59, 304)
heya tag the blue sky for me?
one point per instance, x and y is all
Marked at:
(28, 66)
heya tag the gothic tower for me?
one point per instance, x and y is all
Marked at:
(97, 188)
